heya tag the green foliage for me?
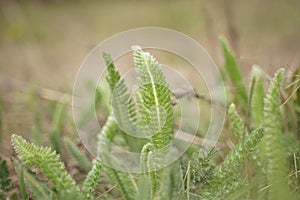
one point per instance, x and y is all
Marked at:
(155, 102)
(257, 96)
(113, 76)
(34, 102)
(102, 98)
(124, 182)
(154, 107)
(122, 116)
(22, 185)
(171, 182)
(201, 168)
(295, 93)
(37, 187)
(46, 160)
(121, 179)
(148, 167)
(273, 152)
(150, 113)
(211, 182)
(5, 182)
(233, 70)
(1, 115)
(82, 160)
(58, 121)
(124, 108)
(92, 180)
(226, 178)
(238, 127)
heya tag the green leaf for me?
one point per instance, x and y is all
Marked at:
(226, 178)
(233, 70)
(92, 180)
(122, 117)
(5, 182)
(154, 103)
(257, 97)
(237, 124)
(113, 75)
(273, 151)
(82, 160)
(171, 182)
(148, 166)
(59, 116)
(46, 160)
(124, 182)
(37, 187)
(22, 184)
(238, 194)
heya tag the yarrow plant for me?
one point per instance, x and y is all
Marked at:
(145, 122)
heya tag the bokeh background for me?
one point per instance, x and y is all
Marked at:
(43, 43)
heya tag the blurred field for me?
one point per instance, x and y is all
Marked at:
(43, 43)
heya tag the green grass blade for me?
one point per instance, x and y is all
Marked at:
(22, 185)
(59, 117)
(82, 160)
(233, 70)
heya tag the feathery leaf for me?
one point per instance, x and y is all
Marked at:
(155, 102)
(257, 96)
(46, 160)
(273, 152)
(113, 75)
(92, 180)
(238, 127)
(82, 160)
(37, 187)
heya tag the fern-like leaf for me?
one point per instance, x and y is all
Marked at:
(275, 167)
(124, 182)
(46, 160)
(257, 96)
(154, 173)
(238, 127)
(82, 160)
(155, 101)
(171, 182)
(113, 75)
(236, 157)
(37, 187)
(92, 180)
(122, 116)
(226, 179)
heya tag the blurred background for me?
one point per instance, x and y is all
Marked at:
(44, 42)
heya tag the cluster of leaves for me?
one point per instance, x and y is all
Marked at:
(5, 182)
(150, 114)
